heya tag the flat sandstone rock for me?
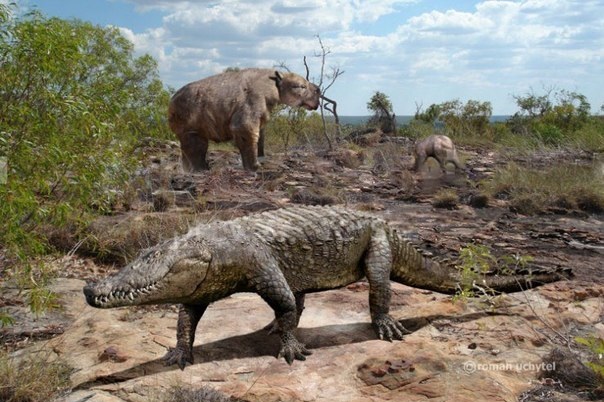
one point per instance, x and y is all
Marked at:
(456, 352)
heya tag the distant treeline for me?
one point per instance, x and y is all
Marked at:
(403, 120)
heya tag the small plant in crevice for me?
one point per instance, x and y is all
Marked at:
(445, 198)
(474, 260)
(595, 345)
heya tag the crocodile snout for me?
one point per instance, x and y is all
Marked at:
(90, 296)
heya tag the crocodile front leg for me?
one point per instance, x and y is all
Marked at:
(378, 264)
(271, 285)
(188, 318)
(273, 327)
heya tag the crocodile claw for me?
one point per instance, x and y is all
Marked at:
(388, 328)
(178, 356)
(292, 349)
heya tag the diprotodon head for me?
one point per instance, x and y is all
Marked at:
(167, 273)
(296, 91)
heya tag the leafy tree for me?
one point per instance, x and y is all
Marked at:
(73, 102)
(430, 115)
(551, 116)
(471, 118)
(383, 115)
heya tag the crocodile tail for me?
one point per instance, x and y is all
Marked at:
(414, 267)
(523, 279)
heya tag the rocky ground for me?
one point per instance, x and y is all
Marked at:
(483, 349)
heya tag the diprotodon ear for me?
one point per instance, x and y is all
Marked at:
(277, 78)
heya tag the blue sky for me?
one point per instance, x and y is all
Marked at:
(417, 52)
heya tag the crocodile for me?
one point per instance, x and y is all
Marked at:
(282, 255)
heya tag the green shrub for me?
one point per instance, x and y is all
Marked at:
(74, 101)
(295, 127)
(596, 346)
(474, 261)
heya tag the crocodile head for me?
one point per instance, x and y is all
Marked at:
(167, 273)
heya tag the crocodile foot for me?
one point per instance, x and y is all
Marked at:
(388, 328)
(292, 349)
(178, 356)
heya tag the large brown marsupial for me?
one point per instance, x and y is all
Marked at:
(233, 106)
(440, 147)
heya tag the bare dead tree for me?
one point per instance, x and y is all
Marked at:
(418, 108)
(326, 80)
(284, 66)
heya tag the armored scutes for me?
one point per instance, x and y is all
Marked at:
(233, 106)
(440, 147)
(282, 255)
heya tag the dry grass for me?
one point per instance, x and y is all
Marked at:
(445, 198)
(179, 393)
(531, 191)
(31, 380)
(388, 157)
(120, 238)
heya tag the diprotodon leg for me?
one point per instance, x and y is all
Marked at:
(188, 318)
(420, 159)
(193, 148)
(378, 264)
(246, 139)
(261, 144)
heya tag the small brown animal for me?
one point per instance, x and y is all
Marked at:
(440, 147)
(233, 106)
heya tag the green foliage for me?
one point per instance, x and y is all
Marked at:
(74, 101)
(459, 119)
(551, 117)
(475, 260)
(5, 319)
(470, 119)
(383, 116)
(596, 346)
(430, 115)
(295, 126)
(416, 129)
(380, 104)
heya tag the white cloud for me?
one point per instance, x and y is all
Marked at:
(506, 45)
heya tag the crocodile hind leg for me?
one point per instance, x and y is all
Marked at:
(273, 328)
(188, 318)
(378, 263)
(271, 285)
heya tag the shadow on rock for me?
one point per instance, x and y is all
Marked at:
(260, 343)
